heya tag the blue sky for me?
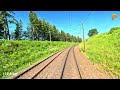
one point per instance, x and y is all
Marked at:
(70, 21)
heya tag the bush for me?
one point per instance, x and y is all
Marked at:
(113, 29)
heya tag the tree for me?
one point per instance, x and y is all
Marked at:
(31, 18)
(63, 36)
(17, 33)
(35, 25)
(28, 34)
(68, 37)
(54, 33)
(5, 18)
(48, 32)
(1, 31)
(25, 35)
(113, 29)
(79, 39)
(20, 29)
(42, 30)
(12, 36)
(92, 32)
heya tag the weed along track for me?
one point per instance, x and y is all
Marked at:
(61, 65)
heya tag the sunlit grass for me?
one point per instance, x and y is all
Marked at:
(104, 49)
(17, 55)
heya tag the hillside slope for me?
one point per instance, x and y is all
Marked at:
(104, 50)
(17, 55)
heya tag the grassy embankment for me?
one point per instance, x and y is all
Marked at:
(104, 50)
(17, 55)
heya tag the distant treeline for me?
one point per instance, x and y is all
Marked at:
(38, 29)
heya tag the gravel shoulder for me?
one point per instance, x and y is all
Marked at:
(87, 69)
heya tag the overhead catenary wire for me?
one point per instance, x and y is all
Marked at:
(87, 17)
(69, 15)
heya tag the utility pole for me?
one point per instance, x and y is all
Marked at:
(83, 29)
(83, 36)
(50, 35)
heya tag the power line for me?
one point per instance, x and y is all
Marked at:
(87, 16)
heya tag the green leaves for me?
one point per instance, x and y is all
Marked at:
(92, 32)
(5, 18)
(18, 31)
(42, 30)
(114, 30)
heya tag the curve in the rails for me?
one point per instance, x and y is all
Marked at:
(53, 71)
(69, 63)
(32, 70)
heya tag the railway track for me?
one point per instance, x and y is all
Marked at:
(71, 69)
(61, 65)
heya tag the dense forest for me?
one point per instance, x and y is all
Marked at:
(37, 29)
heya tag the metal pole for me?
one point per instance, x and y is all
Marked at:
(83, 29)
(50, 35)
(83, 36)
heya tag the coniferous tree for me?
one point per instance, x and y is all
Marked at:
(5, 18)
(17, 32)
(20, 29)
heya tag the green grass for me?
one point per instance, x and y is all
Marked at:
(17, 55)
(104, 49)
